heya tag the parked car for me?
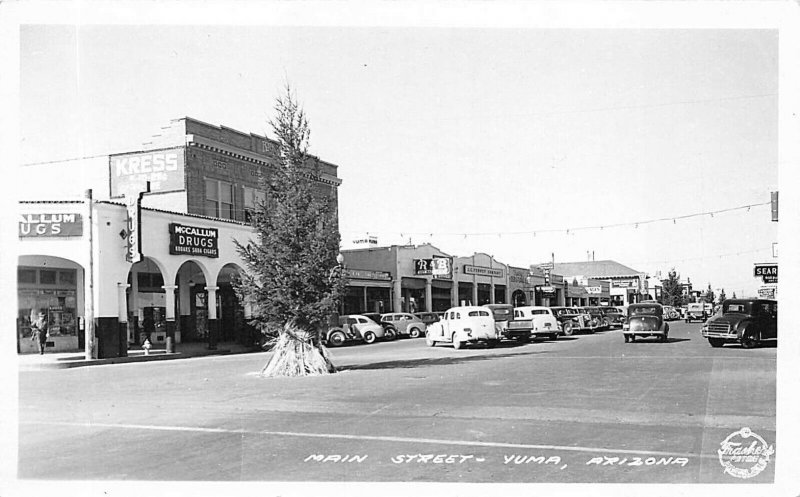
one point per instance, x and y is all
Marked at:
(671, 314)
(745, 321)
(405, 323)
(645, 320)
(464, 325)
(543, 322)
(428, 317)
(614, 316)
(354, 327)
(598, 317)
(506, 325)
(390, 330)
(698, 311)
(573, 319)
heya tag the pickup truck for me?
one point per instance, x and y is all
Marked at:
(507, 326)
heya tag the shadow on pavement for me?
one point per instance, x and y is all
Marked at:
(433, 361)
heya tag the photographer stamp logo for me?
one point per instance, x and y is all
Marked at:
(744, 454)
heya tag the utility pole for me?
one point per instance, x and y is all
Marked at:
(89, 294)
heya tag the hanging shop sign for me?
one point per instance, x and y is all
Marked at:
(767, 292)
(625, 283)
(193, 240)
(547, 291)
(162, 168)
(365, 274)
(594, 289)
(133, 203)
(483, 271)
(50, 225)
(767, 272)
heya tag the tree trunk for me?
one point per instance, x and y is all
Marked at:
(295, 354)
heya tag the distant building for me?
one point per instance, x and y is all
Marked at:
(627, 285)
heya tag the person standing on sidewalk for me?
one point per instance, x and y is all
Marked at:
(40, 333)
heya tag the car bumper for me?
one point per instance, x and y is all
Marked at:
(717, 334)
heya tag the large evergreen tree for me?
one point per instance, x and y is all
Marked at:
(290, 280)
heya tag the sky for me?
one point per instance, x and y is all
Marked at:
(503, 140)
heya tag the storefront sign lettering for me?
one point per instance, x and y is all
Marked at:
(364, 274)
(767, 272)
(163, 169)
(436, 266)
(46, 225)
(594, 289)
(483, 271)
(193, 240)
(624, 283)
(133, 202)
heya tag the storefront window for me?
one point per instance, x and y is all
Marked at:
(253, 198)
(66, 277)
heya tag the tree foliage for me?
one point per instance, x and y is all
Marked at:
(289, 262)
(672, 290)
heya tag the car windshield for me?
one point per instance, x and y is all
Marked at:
(637, 311)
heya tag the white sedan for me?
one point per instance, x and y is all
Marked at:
(544, 323)
(463, 325)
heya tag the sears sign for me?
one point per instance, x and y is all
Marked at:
(162, 168)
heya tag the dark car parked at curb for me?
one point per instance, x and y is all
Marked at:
(428, 317)
(614, 317)
(645, 320)
(573, 319)
(597, 316)
(745, 321)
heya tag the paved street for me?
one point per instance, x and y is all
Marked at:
(588, 408)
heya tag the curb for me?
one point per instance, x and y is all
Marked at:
(125, 360)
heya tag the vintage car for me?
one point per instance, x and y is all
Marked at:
(671, 314)
(573, 319)
(464, 325)
(389, 329)
(405, 323)
(698, 311)
(645, 320)
(353, 327)
(428, 317)
(744, 321)
(598, 316)
(613, 317)
(506, 325)
(543, 322)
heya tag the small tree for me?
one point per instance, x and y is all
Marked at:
(290, 266)
(709, 296)
(672, 290)
(722, 296)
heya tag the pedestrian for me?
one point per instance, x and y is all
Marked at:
(40, 332)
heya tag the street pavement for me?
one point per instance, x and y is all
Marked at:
(582, 409)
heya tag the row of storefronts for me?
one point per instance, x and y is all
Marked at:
(413, 278)
(144, 246)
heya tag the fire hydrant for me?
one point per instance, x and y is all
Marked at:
(146, 346)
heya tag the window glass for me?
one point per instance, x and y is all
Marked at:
(47, 277)
(211, 189)
(539, 311)
(26, 276)
(362, 320)
(66, 277)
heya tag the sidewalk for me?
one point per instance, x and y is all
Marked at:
(65, 360)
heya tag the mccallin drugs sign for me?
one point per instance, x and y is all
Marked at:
(193, 240)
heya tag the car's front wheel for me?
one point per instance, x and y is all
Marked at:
(369, 337)
(414, 332)
(750, 339)
(716, 342)
(567, 329)
(430, 342)
(456, 343)
(389, 335)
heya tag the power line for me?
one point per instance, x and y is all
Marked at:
(601, 227)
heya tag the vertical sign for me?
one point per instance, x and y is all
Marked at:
(133, 201)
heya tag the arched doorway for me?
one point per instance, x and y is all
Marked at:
(518, 298)
(192, 311)
(147, 303)
(232, 324)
